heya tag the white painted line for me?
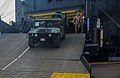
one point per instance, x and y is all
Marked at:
(16, 59)
(24, 52)
(9, 64)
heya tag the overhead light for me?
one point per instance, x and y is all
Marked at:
(22, 0)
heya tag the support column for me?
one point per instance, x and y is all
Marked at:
(88, 14)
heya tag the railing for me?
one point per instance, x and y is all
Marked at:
(110, 17)
(116, 25)
(113, 29)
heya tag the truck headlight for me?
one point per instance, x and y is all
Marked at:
(49, 35)
(30, 34)
(36, 35)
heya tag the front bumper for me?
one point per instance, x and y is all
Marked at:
(43, 37)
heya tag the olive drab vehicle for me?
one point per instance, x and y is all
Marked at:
(47, 30)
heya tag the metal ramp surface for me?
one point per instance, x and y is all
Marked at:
(43, 61)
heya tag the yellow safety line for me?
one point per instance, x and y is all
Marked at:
(70, 75)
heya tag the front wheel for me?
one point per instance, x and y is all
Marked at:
(64, 36)
(31, 43)
(57, 43)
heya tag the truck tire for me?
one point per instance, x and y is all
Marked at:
(57, 43)
(31, 43)
(64, 36)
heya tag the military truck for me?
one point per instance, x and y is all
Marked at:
(46, 30)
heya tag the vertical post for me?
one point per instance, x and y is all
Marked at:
(53, 3)
(86, 8)
(0, 20)
(88, 14)
(23, 9)
(88, 24)
(95, 30)
(34, 5)
(23, 16)
(65, 23)
(0, 17)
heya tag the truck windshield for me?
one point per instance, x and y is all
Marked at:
(46, 24)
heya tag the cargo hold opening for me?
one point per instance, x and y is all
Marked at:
(69, 13)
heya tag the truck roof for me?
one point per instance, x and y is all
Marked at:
(59, 19)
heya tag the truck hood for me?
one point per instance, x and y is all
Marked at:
(44, 30)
